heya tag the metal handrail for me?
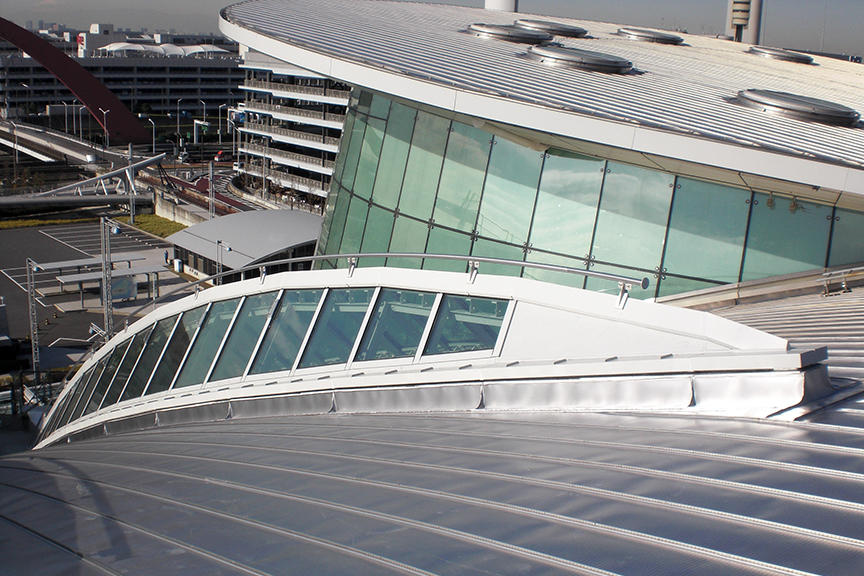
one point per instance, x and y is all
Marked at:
(292, 111)
(624, 282)
(270, 151)
(260, 126)
(298, 89)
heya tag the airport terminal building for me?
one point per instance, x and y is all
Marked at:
(411, 413)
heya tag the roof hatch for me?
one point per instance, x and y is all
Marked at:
(642, 35)
(581, 59)
(779, 54)
(554, 28)
(509, 33)
(800, 107)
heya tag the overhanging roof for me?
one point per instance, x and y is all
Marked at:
(675, 104)
(252, 236)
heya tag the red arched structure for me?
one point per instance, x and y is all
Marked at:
(122, 124)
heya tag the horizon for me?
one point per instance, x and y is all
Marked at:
(796, 24)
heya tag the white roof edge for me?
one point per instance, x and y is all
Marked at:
(698, 150)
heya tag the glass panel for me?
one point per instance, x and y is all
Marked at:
(396, 325)
(380, 106)
(347, 130)
(351, 149)
(847, 245)
(364, 101)
(409, 235)
(789, 236)
(244, 336)
(491, 249)
(424, 165)
(107, 377)
(152, 350)
(444, 241)
(369, 154)
(634, 210)
(126, 367)
(286, 332)
(706, 231)
(394, 155)
(74, 397)
(207, 343)
(329, 214)
(465, 323)
(337, 226)
(462, 177)
(567, 203)
(337, 327)
(611, 286)
(376, 237)
(563, 278)
(175, 351)
(354, 226)
(509, 193)
(87, 391)
(675, 285)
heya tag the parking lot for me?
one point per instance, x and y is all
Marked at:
(62, 319)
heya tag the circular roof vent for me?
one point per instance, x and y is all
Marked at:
(509, 33)
(778, 54)
(800, 107)
(649, 36)
(581, 59)
(554, 28)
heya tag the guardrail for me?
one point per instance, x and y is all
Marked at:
(299, 135)
(291, 111)
(297, 89)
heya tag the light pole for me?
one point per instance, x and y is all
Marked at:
(81, 122)
(32, 268)
(154, 130)
(66, 117)
(108, 227)
(205, 109)
(15, 155)
(107, 143)
(220, 120)
(220, 246)
(178, 117)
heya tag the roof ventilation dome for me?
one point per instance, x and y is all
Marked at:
(509, 33)
(779, 54)
(642, 35)
(554, 28)
(799, 107)
(580, 59)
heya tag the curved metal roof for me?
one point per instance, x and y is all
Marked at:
(420, 51)
(466, 492)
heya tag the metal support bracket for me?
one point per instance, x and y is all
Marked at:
(263, 270)
(473, 269)
(352, 264)
(624, 295)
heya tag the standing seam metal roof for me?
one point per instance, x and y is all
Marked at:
(678, 88)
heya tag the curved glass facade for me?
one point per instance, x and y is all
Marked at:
(411, 181)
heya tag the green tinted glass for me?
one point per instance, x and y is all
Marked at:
(286, 332)
(107, 377)
(444, 241)
(126, 367)
(462, 177)
(370, 152)
(465, 324)
(337, 327)
(424, 165)
(207, 343)
(409, 235)
(243, 337)
(176, 350)
(394, 155)
(149, 356)
(847, 243)
(396, 325)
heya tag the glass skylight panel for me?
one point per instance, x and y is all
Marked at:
(244, 336)
(88, 390)
(126, 367)
(106, 377)
(74, 396)
(286, 331)
(176, 349)
(149, 357)
(464, 324)
(207, 343)
(337, 327)
(396, 325)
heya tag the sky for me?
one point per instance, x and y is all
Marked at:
(833, 25)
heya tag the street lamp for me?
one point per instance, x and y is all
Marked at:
(15, 156)
(205, 109)
(66, 117)
(178, 117)
(154, 130)
(81, 122)
(107, 143)
(108, 227)
(220, 120)
(220, 246)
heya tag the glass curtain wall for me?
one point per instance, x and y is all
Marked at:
(417, 182)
